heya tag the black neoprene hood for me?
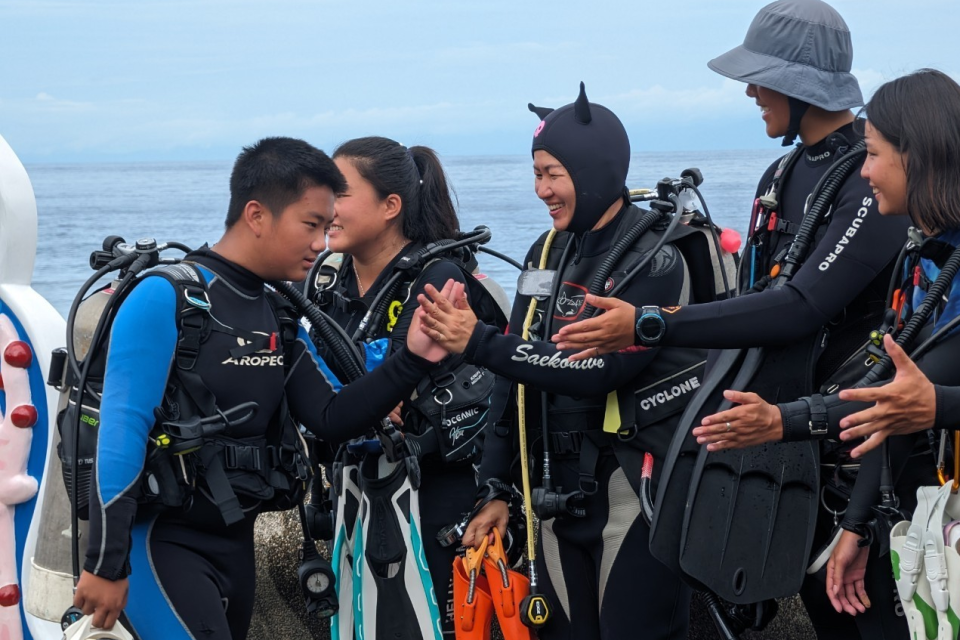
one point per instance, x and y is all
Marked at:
(592, 145)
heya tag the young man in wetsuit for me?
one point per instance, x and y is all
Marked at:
(189, 571)
(796, 61)
(593, 549)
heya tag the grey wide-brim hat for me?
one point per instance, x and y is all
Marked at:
(800, 48)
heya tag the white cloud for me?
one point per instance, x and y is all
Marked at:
(45, 103)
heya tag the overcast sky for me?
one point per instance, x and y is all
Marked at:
(119, 80)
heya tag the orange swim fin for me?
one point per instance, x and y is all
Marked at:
(508, 588)
(473, 607)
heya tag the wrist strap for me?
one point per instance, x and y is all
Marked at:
(818, 415)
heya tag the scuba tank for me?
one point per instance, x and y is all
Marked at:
(77, 371)
(82, 410)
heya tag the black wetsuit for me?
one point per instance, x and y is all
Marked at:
(192, 576)
(832, 302)
(597, 570)
(447, 490)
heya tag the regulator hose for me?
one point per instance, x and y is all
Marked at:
(882, 369)
(620, 247)
(825, 192)
(350, 361)
(381, 303)
(635, 270)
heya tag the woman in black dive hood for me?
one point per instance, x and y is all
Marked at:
(581, 155)
(593, 537)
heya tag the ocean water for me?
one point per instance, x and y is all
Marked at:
(80, 204)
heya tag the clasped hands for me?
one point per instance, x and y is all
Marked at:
(445, 316)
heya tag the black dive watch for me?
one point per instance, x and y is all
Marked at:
(650, 326)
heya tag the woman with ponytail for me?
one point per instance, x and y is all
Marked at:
(398, 201)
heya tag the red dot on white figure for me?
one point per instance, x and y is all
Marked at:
(24, 416)
(9, 595)
(18, 354)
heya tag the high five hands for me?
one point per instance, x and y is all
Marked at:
(421, 343)
(446, 317)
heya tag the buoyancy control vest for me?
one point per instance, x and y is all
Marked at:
(639, 417)
(447, 414)
(770, 236)
(187, 448)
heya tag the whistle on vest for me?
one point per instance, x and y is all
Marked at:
(393, 314)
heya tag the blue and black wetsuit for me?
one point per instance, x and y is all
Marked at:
(447, 490)
(191, 575)
(596, 569)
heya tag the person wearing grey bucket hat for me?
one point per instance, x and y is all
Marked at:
(796, 61)
(801, 51)
(801, 48)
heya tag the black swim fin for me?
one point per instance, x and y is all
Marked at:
(750, 513)
(674, 484)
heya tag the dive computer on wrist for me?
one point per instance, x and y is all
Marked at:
(650, 326)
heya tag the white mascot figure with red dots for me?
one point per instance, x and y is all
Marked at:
(29, 330)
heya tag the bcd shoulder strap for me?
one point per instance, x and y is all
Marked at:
(193, 328)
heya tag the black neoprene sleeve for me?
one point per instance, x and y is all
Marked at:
(826, 283)
(948, 407)
(360, 404)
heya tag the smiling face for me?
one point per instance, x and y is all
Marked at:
(554, 186)
(360, 216)
(885, 169)
(774, 109)
(291, 241)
